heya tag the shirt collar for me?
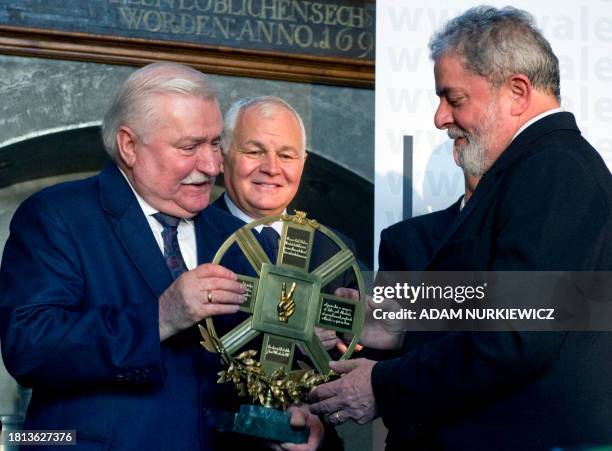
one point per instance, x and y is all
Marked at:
(237, 212)
(147, 209)
(537, 118)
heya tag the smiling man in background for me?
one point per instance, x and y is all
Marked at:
(264, 145)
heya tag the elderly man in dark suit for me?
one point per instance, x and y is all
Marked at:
(103, 280)
(544, 202)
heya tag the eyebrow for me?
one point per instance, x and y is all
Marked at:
(446, 91)
(196, 139)
(262, 145)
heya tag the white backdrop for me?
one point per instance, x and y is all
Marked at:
(580, 32)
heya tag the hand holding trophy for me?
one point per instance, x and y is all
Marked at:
(285, 304)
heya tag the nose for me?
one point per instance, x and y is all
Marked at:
(444, 116)
(209, 160)
(270, 164)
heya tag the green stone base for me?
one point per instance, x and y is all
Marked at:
(264, 423)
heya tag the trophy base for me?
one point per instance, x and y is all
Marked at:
(264, 423)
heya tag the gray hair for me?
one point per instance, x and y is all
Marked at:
(497, 43)
(133, 104)
(266, 105)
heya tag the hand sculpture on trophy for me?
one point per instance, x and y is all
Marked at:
(286, 306)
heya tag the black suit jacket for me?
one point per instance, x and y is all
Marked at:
(410, 244)
(546, 204)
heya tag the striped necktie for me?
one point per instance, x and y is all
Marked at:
(172, 251)
(270, 237)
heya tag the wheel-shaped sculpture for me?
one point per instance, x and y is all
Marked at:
(286, 301)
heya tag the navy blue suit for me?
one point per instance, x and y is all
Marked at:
(80, 280)
(545, 204)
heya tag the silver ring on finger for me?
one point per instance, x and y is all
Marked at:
(338, 417)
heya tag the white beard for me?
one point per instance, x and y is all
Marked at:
(472, 156)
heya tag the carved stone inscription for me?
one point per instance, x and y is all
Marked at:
(335, 28)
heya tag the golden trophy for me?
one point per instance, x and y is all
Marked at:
(285, 303)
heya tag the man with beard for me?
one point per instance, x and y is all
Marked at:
(543, 202)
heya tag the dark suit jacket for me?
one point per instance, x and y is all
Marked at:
(409, 244)
(546, 204)
(323, 248)
(79, 286)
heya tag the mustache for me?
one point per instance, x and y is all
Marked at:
(455, 132)
(197, 178)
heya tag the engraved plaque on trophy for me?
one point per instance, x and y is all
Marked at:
(285, 303)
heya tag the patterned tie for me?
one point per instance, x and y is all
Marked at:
(172, 251)
(270, 237)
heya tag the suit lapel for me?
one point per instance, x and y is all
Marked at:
(483, 187)
(445, 219)
(213, 227)
(132, 229)
(221, 204)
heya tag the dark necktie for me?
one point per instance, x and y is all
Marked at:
(172, 251)
(270, 237)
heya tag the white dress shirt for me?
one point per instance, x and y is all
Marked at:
(237, 212)
(186, 231)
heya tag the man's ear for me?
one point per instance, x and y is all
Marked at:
(126, 145)
(521, 93)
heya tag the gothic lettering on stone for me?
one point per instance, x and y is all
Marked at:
(341, 28)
